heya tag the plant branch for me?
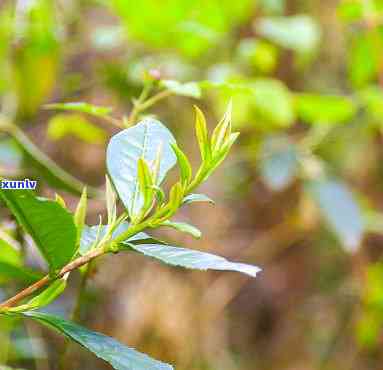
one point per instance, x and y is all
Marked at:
(78, 262)
(75, 264)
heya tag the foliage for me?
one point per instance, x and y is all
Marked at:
(304, 81)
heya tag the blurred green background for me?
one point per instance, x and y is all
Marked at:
(299, 196)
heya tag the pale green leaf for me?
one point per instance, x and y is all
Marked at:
(80, 214)
(184, 227)
(340, 210)
(191, 198)
(190, 89)
(364, 58)
(111, 199)
(202, 134)
(279, 163)
(273, 102)
(62, 125)
(140, 141)
(183, 163)
(60, 200)
(300, 32)
(222, 131)
(190, 259)
(322, 109)
(146, 183)
(94, 110)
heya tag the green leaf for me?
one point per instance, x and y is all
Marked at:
(322, 109)
(202, 134)
(300, 33)
(62, 125)
(9, 252)
(184, 227)
(191, 198)
(278, 162)
(146, 183)
(221, 155)
(273, 102)
(10, 272)
(143, 140)
(372, 98)
(80, 214)
(351, 11)
(190, 89)
(259, 54)
(364, 59)
(60, 200)
(222, 131)
(189, 258)
(111, 199)
(50, 225)
(43, 299)
(273, 6)
(176, 195)
(184, 164)
(11, 263)
(94, 110)
(106, 348)
(340, 210)
(90, 233)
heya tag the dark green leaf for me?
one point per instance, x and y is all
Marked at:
(10, 272)
(143, 140)
(106, 348)
(50, 225)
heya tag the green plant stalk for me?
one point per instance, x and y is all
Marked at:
(142, 104)
(29, 147)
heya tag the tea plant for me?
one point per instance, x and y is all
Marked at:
(138, 160)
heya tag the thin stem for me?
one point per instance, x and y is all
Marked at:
(142, 105)
(155, 99)
(114, 121)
